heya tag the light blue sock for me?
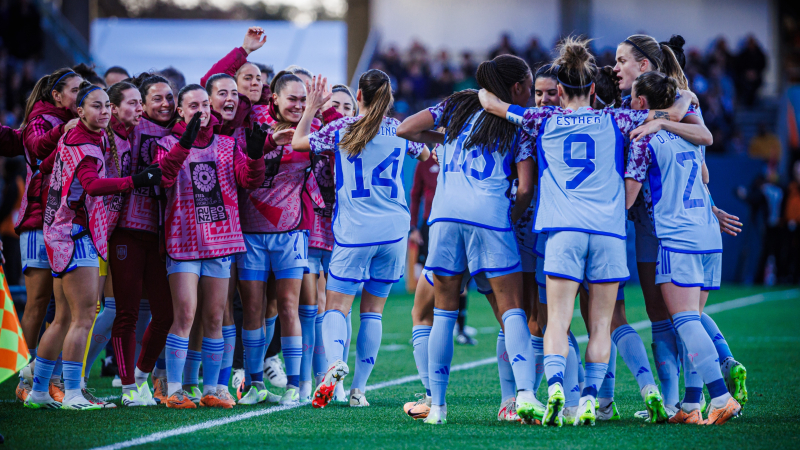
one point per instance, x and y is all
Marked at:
(213, 348)
(269, 330)
(581, 374)
(631, 348)
(691, 379)
(191, 371)
(308, 315)
(176, 349)
(554, 368)
(101, 332)
(292, 348)
(520, 351)
(346, 350)
(334, 333)
(667, 359)
(320, 363)
(595, 373)
(572, 390)
(723, 351)
(58, 368)
(538, 355)
(420, 335)
(42, 371)
(72, 375)
(141, 326)
(701, 351)
(508, 386)
(229, 335)
(252, 344)
(368, 343)
(609, 382)
(440, 353)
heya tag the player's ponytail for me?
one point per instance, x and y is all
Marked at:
(376, 93)
(671, 67)
(43, 90)
(497, 76)
(576, 67)
(659, 89)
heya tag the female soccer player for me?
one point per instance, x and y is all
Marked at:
(581, 158)
(49, 113)
(76, 231)
(688, 234)
(370, 226)
(320, 240)
(470, 224)
(202, 170)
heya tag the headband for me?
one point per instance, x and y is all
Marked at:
(643, 52)
(62, 76)
(574, 87)
(84, 95)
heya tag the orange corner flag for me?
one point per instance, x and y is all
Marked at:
(13, 350)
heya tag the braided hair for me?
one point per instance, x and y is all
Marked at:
(496, 76)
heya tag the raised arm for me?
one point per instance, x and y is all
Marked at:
(236, 58)
(418, 128)
(315, 99)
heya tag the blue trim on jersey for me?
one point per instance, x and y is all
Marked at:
(365, 245)
(561, 275)
(654, 175)
(710, 288)
(467, 222)
(490, 269)
(619, 150)
(610, 280)
(691, 252)
(541, 162)
(686, 285)
(582, 230)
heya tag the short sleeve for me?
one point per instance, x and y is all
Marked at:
(639, 159)
(436, 111)
(530, 119)
(525, 147)
(324, 140)
(628, 119)
(413, 149)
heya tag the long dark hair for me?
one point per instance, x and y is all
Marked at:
(659, 89)
(145, 80)
(607, 90)
(43, 90)
(376, 93)
(496, 76)
(116, 95)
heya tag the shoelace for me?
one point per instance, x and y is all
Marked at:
(88, 394)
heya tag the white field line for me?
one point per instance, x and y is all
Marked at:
(641, 325)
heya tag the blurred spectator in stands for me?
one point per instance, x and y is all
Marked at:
(791, 217)
(505, 47)
(440, 64)
(115, 74)
(764, 197)
(13, 186)
(535, 55)
(175, 77)
(765, 145)
(749, 70)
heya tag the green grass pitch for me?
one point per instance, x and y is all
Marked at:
(763, 336)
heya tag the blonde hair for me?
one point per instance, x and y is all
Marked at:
(376, 92)
(576, 66)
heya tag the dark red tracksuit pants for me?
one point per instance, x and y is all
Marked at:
(135, 260)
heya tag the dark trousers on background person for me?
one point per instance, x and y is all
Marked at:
(135, 259)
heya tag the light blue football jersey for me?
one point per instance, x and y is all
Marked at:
(682, 212)
(581, 169)
(371, 204)
(473, 186)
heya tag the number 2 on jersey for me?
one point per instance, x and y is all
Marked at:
(392, 160)
(586, 163)
(689, 203)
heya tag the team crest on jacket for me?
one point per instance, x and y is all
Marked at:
(122, 252)
(209, 206)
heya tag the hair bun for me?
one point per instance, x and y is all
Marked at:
(676, 42)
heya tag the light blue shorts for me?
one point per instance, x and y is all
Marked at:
(84, 254)
(646, 242)
(481, 281)
(574, 255)
(384, 263)
(318, 260)
(214, 268)
(34, 252)
(689, 269)
(285, 254)
(456, 247)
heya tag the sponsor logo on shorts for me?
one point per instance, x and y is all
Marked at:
(122, 252)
